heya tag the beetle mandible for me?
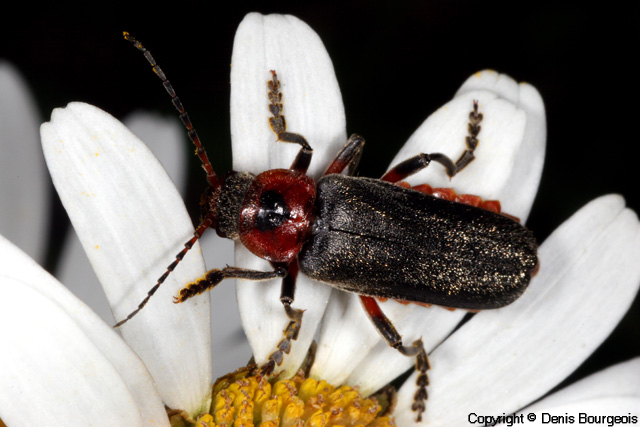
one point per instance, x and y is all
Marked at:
(357, 234)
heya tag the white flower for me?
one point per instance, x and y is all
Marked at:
(166, 139)
(87, 357)
(588, 273)
(60, 364)
(62, 344)
(124, 208)
(60, 359)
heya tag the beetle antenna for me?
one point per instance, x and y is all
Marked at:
(206, 223)
(208, 219)
(212, 179)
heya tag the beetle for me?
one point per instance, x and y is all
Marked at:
(377, 238)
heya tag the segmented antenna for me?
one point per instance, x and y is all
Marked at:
(212, 179)
(206, 223)
(208, 220)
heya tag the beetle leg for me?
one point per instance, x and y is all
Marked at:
(393, 338)
(278, 125)
(416, 163)
(290, 333)
(348, 156)
(413, 165)
(472, 139)
(215, 276)
(422, 160)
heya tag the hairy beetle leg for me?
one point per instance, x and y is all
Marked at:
(348, 157)
(422, 366)
(422, 160)
(415, 164)
(393, 338)
(287, 294)
(215, 276)
(278, 125)
(284, 346)
(300, 164)
(472, 139)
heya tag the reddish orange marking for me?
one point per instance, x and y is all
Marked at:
(451, 195)
(491, 205)
(469, 199)
(371, 306)
(445, 193)
(535, 269)
(405, 302)
(424, 188)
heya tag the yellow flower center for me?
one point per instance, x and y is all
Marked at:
(244, 400)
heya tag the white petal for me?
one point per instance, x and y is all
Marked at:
(313, 108)
(24, 198)
(587, 280)
(311, 95)
(76, 273)
(521, 186)
(131, 222)
(510, 153)
(229, 344)
(60, 358)
(167, 140)
(349, 348)
(69, 377)
(413, 322)
(621, 380)
(345, 337)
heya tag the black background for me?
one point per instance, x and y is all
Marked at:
(395, 64)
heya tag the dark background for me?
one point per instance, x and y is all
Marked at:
(395, 65)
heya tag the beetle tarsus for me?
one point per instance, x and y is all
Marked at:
(267, 369)
(213, 277)
(422, 381)
(416, 163)
(393, 339)
(473, 130)
(284, 346)
(278, 125)
(422, 366)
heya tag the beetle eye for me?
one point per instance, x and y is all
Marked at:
(273, 211)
